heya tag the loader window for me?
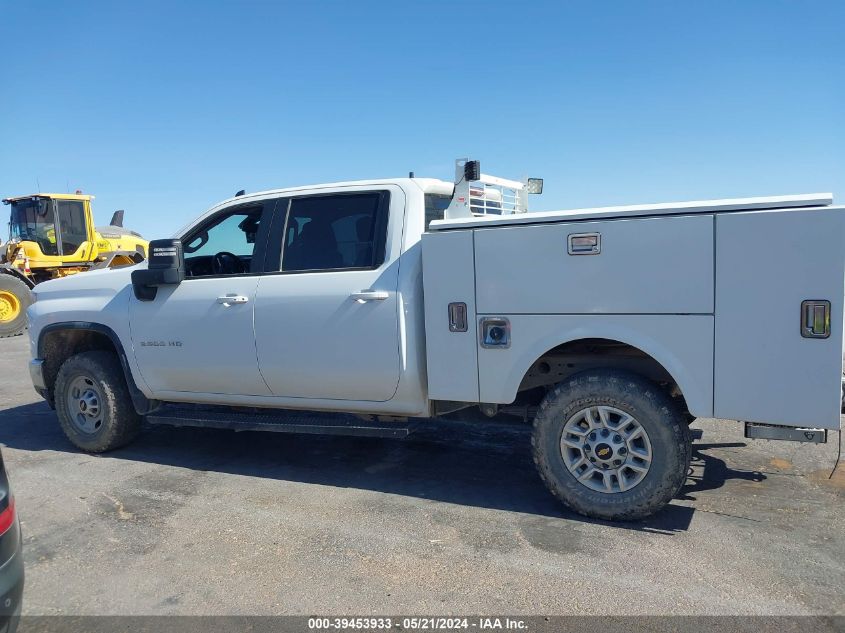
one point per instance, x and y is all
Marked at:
(32, 220)
(74, 233)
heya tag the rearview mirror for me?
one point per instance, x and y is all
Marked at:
(166, 268)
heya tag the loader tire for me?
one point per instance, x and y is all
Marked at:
(611, 445)
(15, 298)
(93, 403)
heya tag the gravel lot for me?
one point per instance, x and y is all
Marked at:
(451, 520)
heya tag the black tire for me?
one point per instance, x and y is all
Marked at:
(655, 412)
(21, 292)
(119, 423)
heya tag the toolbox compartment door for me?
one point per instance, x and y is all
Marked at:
(449, 280)
(638, 266)
(766, 367)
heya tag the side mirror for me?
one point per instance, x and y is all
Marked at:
(166, 268)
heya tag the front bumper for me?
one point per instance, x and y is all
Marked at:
(36, 373)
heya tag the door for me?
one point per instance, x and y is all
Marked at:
(779, 307)
(198, 336)
(327, 322)
(74, 231)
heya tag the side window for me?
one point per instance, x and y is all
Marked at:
(435, 207)
(226, 245)
(336, 232)
(34, 220)
(71, 216)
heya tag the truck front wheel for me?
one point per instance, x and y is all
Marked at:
(611, 445)
(93, 403)
(15, 298)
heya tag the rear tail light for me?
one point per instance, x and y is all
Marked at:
(7, 516)
(7, 501)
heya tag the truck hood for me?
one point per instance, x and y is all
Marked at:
(99, 283)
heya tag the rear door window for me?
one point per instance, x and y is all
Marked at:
(336, 232)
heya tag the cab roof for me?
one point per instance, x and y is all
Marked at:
(56, 196)
(428, 185)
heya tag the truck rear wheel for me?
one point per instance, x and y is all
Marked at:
(611, 445)
(15, 298)
(93, 403)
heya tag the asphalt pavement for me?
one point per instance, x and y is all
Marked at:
(452, 519)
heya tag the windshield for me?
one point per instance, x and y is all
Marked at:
(32, 220)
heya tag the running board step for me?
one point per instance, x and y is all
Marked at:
(311, 422)
(789, 433)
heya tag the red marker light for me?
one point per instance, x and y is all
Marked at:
(7, 516)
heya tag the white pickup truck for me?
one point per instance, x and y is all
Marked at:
(386, 302)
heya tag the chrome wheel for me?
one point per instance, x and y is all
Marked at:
(606, 449)
(85, 405)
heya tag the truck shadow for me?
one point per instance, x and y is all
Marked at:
(483, 464)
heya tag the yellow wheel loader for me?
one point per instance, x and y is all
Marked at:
(53, 235)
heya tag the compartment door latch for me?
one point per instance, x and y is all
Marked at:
(815, 319)
(583, 243)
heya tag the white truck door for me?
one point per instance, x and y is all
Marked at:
(327, 323)
(198, 336)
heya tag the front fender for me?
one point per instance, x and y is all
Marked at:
(97, 300)
(140, 401)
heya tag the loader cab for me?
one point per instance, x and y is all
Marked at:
(58, 224)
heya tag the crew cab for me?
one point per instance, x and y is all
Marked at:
(373, 304)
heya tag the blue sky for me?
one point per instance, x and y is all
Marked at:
(164, 108)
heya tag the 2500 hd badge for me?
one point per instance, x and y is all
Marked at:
(161, 343)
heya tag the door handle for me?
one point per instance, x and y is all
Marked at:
(230, 299)
(369, 295)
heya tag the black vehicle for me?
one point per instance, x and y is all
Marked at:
(11, 557)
